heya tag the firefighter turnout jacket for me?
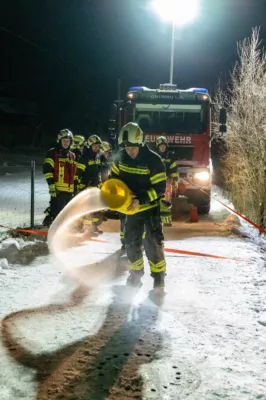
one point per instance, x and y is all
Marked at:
(105, 167)
(89, 169)
(78, 154)
(145, 176)
(170, 164)
(60, 170)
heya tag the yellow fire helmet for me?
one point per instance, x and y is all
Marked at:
(131, 135)
(78, 141)
(94, 139)
(106, 147)
(161, 140)
(65, 133)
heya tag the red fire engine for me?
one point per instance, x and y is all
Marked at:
(184, 118)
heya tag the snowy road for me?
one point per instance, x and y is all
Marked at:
(204, 339)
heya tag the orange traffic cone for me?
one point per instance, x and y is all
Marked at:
(194, 216)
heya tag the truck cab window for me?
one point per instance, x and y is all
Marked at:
(187, 122)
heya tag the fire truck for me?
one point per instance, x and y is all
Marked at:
(184, 118)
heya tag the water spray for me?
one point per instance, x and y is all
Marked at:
(63, 234)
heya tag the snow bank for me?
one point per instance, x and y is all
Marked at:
(236, 224)
(231, 224)
(253, 234)
(20, 251)
(3, 263)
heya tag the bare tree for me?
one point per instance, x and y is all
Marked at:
(245, 160)
(220, 99)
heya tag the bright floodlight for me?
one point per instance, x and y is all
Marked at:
(180, 12)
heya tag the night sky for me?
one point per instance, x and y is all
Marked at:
(66, 55)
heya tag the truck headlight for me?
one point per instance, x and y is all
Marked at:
(202, 176)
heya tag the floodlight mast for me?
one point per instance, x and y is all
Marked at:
(179, 13)
(172, 54)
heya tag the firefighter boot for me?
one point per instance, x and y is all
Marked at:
(158, 280)
(134, 278)
(47, 222)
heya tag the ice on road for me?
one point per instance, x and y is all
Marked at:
(201, 340)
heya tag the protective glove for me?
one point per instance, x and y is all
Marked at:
(165, 205)
(166, 219)
(52, 190)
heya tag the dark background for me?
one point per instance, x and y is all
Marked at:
(61, 59)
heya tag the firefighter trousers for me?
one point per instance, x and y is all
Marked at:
(166, 212)
(148, 221)
(59, 202)
(122, 218)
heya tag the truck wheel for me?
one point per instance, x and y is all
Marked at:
(204, 209)
(199, 199)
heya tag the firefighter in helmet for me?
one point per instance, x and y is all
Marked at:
(172, 178)
(78, 146)
(89, 175)
(106, 148)
(60, 173)
(143, 172)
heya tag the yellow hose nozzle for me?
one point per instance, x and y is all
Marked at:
(117, 196)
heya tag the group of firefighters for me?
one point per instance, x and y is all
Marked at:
(75, 164)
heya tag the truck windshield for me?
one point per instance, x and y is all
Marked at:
(175, 121)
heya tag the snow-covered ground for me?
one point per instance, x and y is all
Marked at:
(204, 339)
(15, 195)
